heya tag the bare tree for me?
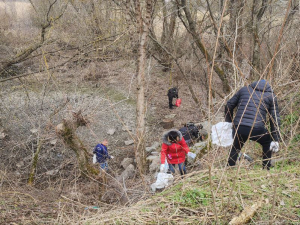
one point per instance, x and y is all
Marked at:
(191, 27)
(46, 18)
(257, 15)
(143, 23)
(167, 39)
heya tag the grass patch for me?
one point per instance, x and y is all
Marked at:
(277, 189)
(191, 198)
(117, 96)
(112, 94)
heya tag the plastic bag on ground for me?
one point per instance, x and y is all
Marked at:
(163, 180)
(222, 134)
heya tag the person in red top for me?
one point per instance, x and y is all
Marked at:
(174, 149)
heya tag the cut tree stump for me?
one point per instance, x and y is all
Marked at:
(167, 124)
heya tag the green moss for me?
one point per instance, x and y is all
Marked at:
(162, 205)
(145, 210)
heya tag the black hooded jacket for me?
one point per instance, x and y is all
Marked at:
(189, 132)
(254, 103)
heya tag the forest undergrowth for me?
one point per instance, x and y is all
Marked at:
(79, 63)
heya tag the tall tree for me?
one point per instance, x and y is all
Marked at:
(235, 23)
(257, 15)
(143, 23)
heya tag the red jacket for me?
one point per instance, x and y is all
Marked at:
(174, 152)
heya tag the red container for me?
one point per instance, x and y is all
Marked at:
(178, 102)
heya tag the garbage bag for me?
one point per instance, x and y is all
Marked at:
(94, 158)
(163, 180)
(191, 155)
(222, 134)
(178, 102)
(166, 167)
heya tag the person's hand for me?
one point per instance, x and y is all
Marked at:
(162, 168)
(112, 157)
(274, 147)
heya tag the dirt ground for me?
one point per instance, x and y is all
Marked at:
(105, 94)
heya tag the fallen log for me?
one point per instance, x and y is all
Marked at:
(245, 215)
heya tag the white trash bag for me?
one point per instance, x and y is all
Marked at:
(166, 165)
(94, 159)
(163, 180)
(221, 134)
(165, 168)
(191, 155)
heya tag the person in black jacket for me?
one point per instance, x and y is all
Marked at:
(254, 103)
(172, 93)
(190, 132)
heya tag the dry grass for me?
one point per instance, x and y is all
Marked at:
(190, 200)
(104, 91)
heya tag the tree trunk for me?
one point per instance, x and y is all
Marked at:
(143, 28)
(67, 130)
(200, 45)
(256, 19)
(236, 27)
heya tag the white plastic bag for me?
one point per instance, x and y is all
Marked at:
(222, 134)
(166, 166)
(163, 180)
(94, 159)
(191, 155)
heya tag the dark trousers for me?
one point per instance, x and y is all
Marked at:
(171, 102)
(181, 167)
(260, 135)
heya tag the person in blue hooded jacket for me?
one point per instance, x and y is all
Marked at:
(102, 154)
(255, 103)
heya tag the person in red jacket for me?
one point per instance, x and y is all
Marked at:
(174, 149)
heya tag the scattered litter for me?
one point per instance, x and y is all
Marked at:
(94, 158)
(91, 207)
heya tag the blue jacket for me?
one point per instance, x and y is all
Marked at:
(255, 103)
(101, 153)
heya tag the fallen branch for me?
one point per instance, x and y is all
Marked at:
(246, 214)
(34, 163)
